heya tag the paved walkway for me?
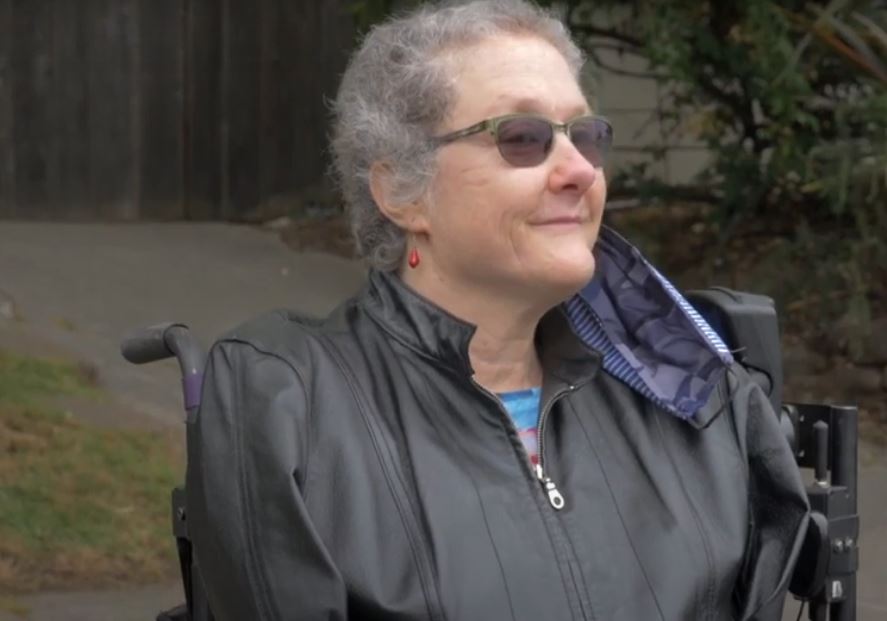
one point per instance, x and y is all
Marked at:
(130, 604)
(80, 288)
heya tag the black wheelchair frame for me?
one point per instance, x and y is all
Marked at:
(824, 439)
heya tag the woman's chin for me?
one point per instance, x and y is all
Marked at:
(569, 272)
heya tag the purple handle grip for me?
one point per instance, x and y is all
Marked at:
(191, 387)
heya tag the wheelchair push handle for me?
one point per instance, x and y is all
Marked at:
(148, 344)
(167, 340)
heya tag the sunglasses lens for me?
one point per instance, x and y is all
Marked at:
(524, 141)
(592, 138)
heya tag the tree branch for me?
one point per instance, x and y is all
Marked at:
(619, 49)
(623, 72)
(606, 33)
(665, 191)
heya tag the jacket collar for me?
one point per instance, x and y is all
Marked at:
(629, 320)
(432, 332)
(650, 336)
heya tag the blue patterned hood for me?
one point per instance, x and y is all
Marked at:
(650, 337)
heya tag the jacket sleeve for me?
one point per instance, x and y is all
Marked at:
(777, 507)
(259, 554)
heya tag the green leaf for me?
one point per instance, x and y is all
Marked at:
(863, 53)
(876, 31)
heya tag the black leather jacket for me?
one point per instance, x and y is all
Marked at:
(350, 468)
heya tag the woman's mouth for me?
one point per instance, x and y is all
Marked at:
(560, 222)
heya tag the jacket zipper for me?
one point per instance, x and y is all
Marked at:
(555, 498)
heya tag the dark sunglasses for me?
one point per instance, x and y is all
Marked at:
(526, 139)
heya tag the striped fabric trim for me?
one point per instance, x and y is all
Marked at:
(711, 337)
(587, 325)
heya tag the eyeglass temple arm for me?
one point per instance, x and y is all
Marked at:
(462, 133)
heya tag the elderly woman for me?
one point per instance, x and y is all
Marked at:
(518, 417)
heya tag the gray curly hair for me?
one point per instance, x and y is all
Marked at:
(395, 92)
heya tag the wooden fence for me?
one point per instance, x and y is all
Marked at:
(164, 109)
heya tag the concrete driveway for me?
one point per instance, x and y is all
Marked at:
(79, 288)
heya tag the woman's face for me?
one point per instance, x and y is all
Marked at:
(514, 230)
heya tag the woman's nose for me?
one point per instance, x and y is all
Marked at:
(570, 170)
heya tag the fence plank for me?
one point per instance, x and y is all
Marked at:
(291, 90)
(240, 113)
(161, 38)
(203, 155)
(71, 111)
(112, 85)
(297, 152)
(32, 76)
(7, 121)
(272, 112)
(313, 35)
(322, 35)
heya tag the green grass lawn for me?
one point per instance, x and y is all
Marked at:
(79, 505)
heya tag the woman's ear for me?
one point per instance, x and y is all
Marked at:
(410, 217)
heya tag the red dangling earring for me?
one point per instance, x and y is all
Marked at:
(413, 260)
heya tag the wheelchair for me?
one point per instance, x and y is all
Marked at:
(824, 439)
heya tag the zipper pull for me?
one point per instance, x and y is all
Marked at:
(554, 496)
